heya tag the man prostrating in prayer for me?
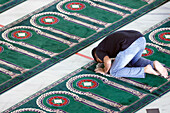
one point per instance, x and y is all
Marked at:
(126, 47)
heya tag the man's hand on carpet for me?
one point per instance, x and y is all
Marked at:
(99, 70)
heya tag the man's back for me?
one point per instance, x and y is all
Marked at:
(116, 42)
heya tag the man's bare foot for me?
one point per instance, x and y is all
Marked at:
(161, 69)
(148, 69)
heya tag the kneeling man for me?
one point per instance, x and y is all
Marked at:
(126, 47)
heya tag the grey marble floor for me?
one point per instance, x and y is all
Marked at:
(74, 62)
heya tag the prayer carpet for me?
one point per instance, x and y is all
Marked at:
(58, 30)
(85, 91)
(6, 4)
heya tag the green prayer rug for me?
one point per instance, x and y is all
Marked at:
(85, 91)
(6, 4)
(58, 30)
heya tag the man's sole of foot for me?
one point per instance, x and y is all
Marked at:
(150, 70)
(161, 69)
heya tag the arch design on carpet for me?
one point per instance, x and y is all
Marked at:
(160, 49)
(92, 4)
(70, 85)
(48, 97)
(55, 30)
(161, 36)
(38, 32)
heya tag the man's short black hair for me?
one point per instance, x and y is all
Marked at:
(93, 54)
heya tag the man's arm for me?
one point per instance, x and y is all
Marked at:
(107, 64)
